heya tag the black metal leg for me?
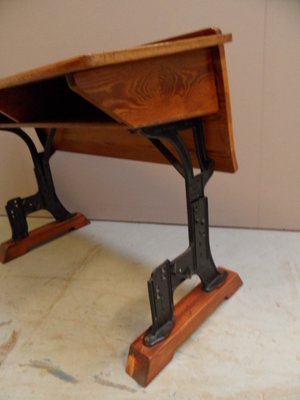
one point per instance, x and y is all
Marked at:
(161, 303)
(197, 259)
(46, 198)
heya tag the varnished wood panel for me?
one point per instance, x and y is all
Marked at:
(115, 140)
(152, 91)
(218, 127)
(110, 140)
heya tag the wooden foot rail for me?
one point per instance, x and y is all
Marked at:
(15, 248)
(145, 362)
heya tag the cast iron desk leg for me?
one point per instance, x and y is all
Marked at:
(19, 208)
(146, 357)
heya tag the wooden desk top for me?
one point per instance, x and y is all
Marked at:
(110, 93)
(88, 61)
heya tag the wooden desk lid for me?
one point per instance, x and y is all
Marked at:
(180, 44)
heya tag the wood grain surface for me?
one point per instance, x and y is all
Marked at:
(152, 91)
(117, 141)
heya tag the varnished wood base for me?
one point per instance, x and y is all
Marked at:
(144, 362)
(15, 248)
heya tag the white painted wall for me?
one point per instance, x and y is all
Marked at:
(263, 65)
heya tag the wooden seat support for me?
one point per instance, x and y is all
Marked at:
(164, 102)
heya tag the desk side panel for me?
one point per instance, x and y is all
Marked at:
(153, 91)
(218, 127)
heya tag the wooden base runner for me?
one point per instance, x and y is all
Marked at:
(144, 362)
(15, 248)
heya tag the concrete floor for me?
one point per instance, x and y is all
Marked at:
(70, 309)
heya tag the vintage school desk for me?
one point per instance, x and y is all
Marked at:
(163, 102)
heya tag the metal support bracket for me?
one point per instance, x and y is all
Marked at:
(46, 198)
(197, 259)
